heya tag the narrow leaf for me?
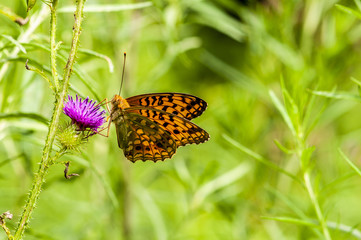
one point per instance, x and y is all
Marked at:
(283, 112)
(358, 85)
(107, 7)
(15, 42)
(334, 95)
(258, 157)
(293, 220)
(358, 4)
(219, 182)
(283, 148)
(348, 10)
(32, 116)
(352, 165)
(345, 228)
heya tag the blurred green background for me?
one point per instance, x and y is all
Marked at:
(281, 79)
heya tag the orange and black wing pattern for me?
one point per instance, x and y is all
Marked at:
(152, 126)
(180, 104)
(146, 140)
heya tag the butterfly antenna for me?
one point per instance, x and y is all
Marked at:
(121, 84)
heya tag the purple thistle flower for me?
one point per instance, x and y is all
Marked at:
(84, 114)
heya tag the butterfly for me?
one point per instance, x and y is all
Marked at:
(152, 126)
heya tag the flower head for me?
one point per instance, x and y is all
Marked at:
(84, 113)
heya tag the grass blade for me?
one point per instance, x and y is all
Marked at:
(15, 42)
(32, 116)
(259, 158)
(107, 7)
(283, 112)
(219, 182)
(352, 165)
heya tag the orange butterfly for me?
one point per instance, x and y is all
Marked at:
(152, 126)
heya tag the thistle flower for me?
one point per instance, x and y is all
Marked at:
(84, 113)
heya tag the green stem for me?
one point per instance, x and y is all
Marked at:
(41, 73)
(74, 45)
(308, 184)
(46, 158)
(53, 46)
(316, 205)
(3, 217)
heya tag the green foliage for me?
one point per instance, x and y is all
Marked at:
(281, 79)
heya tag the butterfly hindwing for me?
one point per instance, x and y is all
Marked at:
(182, 130)
(146, 140)
(180, 104)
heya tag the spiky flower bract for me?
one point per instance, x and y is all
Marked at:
(85, 114)
(69, 138)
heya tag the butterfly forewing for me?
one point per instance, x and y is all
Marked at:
(180, 104)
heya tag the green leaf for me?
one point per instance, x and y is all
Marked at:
(283, 148)
(232, 74)
(219, 182)
(348, 10)
(293, 220)
(98, 55)
(358, 4)
(339, 95)
(32, 116)
(345, 228)
(258, 157)
(284, 52)
(352, 165)
(8, 160)
(170, 55)
(107, 7)
(210, 15)
(358, 85)
(283, 112)
(290, 105)
(306, 155)
(15, 42)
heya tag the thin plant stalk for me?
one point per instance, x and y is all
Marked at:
(302, 151)
(312, 195)
(46, 157)
(53, 45)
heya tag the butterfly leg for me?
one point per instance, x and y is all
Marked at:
(102, 102)
(107, 127)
